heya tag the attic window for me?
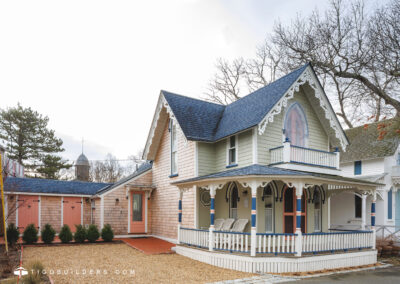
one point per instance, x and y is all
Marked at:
(296, 128)
(357, 168)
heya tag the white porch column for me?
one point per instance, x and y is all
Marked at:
(253, 186)
(363, 212)
(212, 214)
(180, 215)
(373, 221)
(299, 238)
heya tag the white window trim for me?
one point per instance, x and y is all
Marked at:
(228, 148)
(173, 123)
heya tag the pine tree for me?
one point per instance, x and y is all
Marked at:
(30, 142)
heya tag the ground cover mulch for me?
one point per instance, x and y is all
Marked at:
(119, 263)
(8, 262)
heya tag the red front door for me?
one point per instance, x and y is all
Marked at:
(137, 214)
(72, 212)
(28, 211)
(289, 211)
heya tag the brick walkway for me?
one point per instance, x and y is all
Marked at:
(149, 245)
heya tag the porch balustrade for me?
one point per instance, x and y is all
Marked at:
(276, 244)
(305, 156)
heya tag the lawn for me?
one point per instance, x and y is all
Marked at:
(113, 263)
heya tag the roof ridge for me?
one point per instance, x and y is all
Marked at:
(273, 82)
(196, 99)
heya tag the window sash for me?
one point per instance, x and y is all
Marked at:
(174, 149)
(269, 220)
(390, 204)
(232, 153)
(317, 220)
(357, 168)
(358, 206)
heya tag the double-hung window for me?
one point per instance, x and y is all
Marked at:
(174, 149)
(390, 204)
(268, 209)
(232, 151)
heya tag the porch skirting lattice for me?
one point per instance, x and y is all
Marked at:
(276, 264)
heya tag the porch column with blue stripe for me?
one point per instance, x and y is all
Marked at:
(212, 218)
(254, 186)
(180, 215)
(373, 206)
(299, 193)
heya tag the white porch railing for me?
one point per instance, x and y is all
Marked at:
(232, 241)
(276, 243)
(305, 156)
(335, 241)
(194, 237)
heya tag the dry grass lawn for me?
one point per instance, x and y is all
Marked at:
(69, 262)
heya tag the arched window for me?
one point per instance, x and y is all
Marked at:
(268, 198)
(317, 210)
(296, 128)
(233, 200)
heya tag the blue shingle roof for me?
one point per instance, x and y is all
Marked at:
(37, 185)
(205, 121)
(261, 170)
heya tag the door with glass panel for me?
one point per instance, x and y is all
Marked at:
(268, 199)
(137, 212)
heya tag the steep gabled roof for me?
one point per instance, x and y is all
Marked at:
(198, 119)
(364, 142)
(204, 121)
(37, 185)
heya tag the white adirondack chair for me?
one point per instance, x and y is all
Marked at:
(227, 225)
(239, 225)
(218, 224)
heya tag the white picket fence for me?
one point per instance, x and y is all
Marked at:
(194, 237)
(232, 241)
(276, 243)
(334, 241)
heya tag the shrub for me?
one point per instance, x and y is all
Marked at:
(80, 234)
(48, 234)
(107, 233)
(65, 234)
(93, 233)
(12, 234)
(30, 234)
(35, 273)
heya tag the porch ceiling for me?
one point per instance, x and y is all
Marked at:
(268, 173)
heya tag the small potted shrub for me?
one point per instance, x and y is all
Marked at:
(93, 233)
(107, 234)
(48, 234)
(65, 234)
(80, 234)
(30, 234)
(12, 234)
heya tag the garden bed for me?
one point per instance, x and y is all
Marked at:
(8, 262)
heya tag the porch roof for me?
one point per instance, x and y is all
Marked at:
(257, 170)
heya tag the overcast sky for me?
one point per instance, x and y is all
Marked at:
(96, 67)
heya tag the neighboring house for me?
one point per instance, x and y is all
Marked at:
(374, 159)
(268, 161)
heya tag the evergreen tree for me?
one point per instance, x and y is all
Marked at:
(30, 142)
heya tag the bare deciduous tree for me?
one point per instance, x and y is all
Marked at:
(355, 53)
(108, 170)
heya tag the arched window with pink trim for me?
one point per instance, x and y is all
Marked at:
(296, 128)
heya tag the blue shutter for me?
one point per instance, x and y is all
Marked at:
(357, 168)
(390, 204)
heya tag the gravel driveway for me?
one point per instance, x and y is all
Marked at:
(119, 263)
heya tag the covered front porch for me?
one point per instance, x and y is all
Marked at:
(288, 216)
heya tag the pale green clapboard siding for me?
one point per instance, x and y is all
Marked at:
(245, 150)
(220, 155)
(206, 158)
(273, 137)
